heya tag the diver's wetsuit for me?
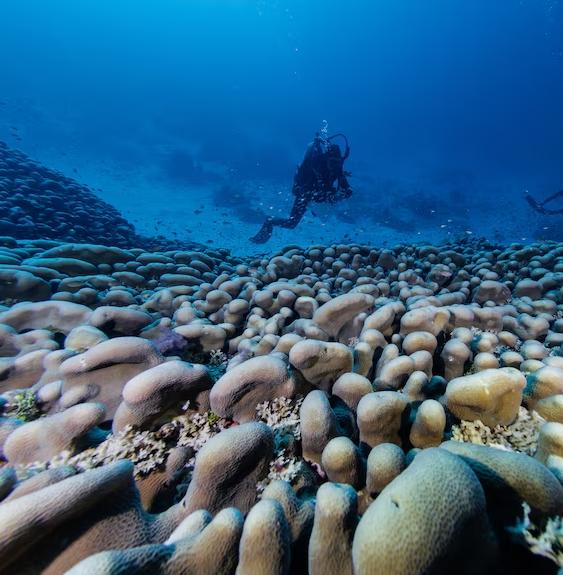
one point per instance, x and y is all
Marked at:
(314, 182)
(539, 206)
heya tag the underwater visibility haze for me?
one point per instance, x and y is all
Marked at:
(452, 108)
(281, 287)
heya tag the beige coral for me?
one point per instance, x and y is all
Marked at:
(402, 532)
(492, 395)
(42, 439)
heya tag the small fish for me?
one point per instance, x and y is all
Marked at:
(209, 241)
(197, 212)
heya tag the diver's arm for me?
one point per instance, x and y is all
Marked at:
(534, 204)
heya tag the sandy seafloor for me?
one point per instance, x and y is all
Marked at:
(188, 212)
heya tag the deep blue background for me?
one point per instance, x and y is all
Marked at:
(453, 107)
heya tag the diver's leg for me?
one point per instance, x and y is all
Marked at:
(265, 232)
(553, 197)
(534, 203)
(297, 212)
(343, 182)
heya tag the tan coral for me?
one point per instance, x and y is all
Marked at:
(394, 373)
(551, 408)
(342, 462)
(228, 468)
(23, 286)
(379, 417)
(208, 336)
(351, 387)
(386, 461)
(493, 396)
(521, 474)
(55, 315)
(419, 340)
(123, 321)
(158, 488)
(84, 337)
(102, 371)
(237, 393)
(332, 316)
(402, 532)
(56, 527)
(321, 363)
(299, 514)
(550, 441)
(383, 318)
(330, 546)
(485, 360)
(149, 395)
(490, 290)
(41, 480)
(455, 356)
(319, 425)
(429, 425)
(414, 387)
(42, 439)
(542, 383)
(363, 354)
(265, 545)
(431, 319)
(23, 371)
(210, 547)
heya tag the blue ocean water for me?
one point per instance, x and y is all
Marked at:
(190, 116)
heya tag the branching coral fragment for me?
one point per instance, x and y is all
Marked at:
(148, 450)
(547, 542)
(522, 435)
(282, 415)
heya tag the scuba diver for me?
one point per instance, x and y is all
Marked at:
(314, 181)
(540, 206)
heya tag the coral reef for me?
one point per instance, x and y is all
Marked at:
(331, 409)
(547, 541)
(37, 202)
